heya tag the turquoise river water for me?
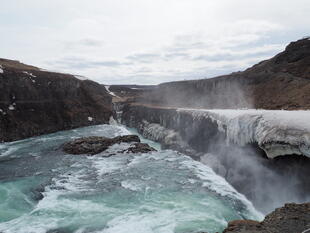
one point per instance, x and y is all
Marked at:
(44, 190)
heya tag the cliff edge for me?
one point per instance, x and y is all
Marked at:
(34, 101)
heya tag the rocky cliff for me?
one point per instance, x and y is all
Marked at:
(34, 102)
(283, 82)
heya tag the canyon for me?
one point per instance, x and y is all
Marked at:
(251, 127)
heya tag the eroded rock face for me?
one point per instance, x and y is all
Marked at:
(95, 145)
(35, 102)
(292, 218)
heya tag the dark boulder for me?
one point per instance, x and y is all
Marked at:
(126, 138)
(140, 148)
(94, 145)
(244, 226)
(89, 145)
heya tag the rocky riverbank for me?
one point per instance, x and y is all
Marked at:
(35, 102)
(292, 218)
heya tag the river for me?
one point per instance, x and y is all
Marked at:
(42, 189)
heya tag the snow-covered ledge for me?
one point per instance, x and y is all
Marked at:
(277, 132)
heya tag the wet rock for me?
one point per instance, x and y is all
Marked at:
(244, 226)
(292, 218)
(90, 145)
(140, 148)
(94, 145)
(37, 194)
(126, 138)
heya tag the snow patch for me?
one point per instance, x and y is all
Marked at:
(277, 132)
(2, 112)
(90, 119)
(45, 70)
(1, 69)
(11, 107)
(110, 92)
(30, 74)
(80, 77)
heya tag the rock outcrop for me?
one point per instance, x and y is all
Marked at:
(95, 145)
(34, 102)
(292, 218)
(282, 82)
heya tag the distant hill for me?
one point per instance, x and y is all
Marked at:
(283, 82)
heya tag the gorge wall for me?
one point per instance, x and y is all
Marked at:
(245, 148)
(34, 102)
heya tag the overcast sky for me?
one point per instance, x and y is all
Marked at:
(149, 41)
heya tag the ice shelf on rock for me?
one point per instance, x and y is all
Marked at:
(159, 133)
(277, 132)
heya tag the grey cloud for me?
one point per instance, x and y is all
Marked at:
(232, 56)
(90, 42)
(86, 43)
(144, 57)
(144, 70)
(176, 55)
(183, 47)
(81, 63)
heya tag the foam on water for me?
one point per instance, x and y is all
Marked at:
(160, 192)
